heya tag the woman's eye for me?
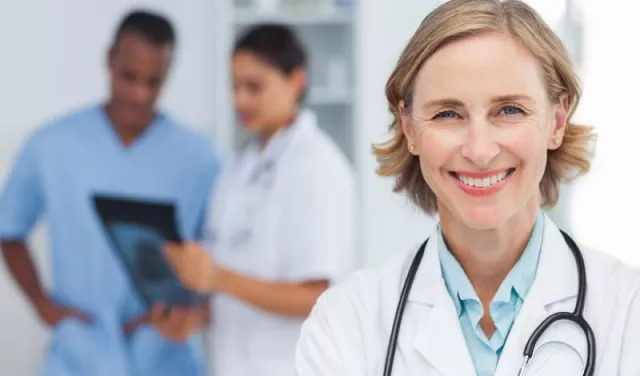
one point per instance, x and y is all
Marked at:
(446, 115)
(511, 110)
(254, 87)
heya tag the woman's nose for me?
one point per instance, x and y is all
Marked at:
(480, 146)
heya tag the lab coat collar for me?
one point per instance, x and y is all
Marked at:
(551, 277)
(440, 335)
(554, 289)
(305, 120)
(279, 143)
(519, 279)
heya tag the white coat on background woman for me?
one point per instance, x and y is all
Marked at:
(281, 223)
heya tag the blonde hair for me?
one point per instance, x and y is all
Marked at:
(458, 19)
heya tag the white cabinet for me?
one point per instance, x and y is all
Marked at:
(327, 30)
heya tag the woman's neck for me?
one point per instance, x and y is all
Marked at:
(487, 256)
(270, 131)
(266, 136)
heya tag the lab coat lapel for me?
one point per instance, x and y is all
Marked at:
(554, 289)
(439, 337)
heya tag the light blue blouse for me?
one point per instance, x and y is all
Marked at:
(505, 306)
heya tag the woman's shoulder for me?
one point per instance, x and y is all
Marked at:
(608, 273)
(363, 290)
(343, 328)
(608, 278)
(314, 145)
(613, 289)
(314, 160)
(613, 309)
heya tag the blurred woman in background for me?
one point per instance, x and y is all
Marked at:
(281, 221)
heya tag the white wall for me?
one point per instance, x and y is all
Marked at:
(390, 224)
(606, 202)
(53, 55)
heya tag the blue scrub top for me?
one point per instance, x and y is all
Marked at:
(55, 175)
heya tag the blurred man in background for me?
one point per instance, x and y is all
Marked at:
(122, 147)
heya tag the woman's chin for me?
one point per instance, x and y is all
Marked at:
(250, 127)
(486, 217)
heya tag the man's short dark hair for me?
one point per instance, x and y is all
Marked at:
(153, 27)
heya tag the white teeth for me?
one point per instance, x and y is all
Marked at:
(484, 182)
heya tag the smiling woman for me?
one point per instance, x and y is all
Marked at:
(482, 99)
(516, 97)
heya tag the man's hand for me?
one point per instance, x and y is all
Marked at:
(193, 266)
(178, 323)
(52, 314)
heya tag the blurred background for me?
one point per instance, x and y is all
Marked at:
(54, 60)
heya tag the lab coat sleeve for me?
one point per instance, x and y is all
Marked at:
(317, 352)
(317, 235)
(630, 357)
(22, 198)
(338, 334)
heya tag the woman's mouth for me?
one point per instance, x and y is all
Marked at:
(482, 183)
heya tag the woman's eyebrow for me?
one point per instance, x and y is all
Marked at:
(512, 98)
(452, 102)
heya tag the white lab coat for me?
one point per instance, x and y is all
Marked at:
(348, 331)
(296, 198)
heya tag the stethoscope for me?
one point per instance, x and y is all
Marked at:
(576, 316)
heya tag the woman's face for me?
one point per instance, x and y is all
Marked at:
(481, 124)
(264, 97)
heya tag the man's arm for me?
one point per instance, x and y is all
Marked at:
(21, 204)
(20, 263)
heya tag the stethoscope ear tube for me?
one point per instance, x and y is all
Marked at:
(582, 274)
(576, 316)
(402, 302)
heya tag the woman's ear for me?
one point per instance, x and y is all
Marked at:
(406, 127)
(111, 55)
(298, 78)
(560, 122)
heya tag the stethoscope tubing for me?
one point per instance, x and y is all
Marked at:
(576, 316)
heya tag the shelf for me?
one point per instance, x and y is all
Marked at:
(298, 17)
(327, 30)
(321, 96)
